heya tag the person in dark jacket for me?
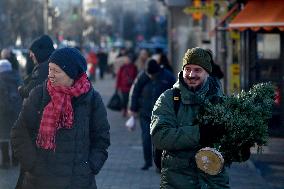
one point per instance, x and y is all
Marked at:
(40, 50)
(162, 59)
(178, 134)
(144, 92)
(62, 134)
(102, 61)
(10, 105)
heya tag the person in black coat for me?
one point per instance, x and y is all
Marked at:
(40, 50)
(144, 92)
(10, 105)
(62, 134)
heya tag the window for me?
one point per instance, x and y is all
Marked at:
(268, 46)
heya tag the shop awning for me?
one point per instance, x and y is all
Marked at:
(260, 14)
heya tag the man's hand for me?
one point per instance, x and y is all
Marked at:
(210, 134)
(132, 113)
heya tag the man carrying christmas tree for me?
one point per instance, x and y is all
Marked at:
(177, 132)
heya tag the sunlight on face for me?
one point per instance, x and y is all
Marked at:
(194, 75)
(58, 77)
(32, 56)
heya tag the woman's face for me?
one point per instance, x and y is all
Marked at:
(58, 77)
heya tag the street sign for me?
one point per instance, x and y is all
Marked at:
(209, 8)
(198, 9)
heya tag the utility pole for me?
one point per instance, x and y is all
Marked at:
(45, 16)
(81, 24)
(121, 21)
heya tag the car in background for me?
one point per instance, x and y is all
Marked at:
(156, 42)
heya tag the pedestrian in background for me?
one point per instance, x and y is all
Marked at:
(8, 54)
(142, 59)
(120, 59)
(162, 59)
(10, 105)
(62, 134)
(113, 53)
(102, 60)
(92, 62)
(125, 78)
(179, 135)
(40, 50)
(144, 92)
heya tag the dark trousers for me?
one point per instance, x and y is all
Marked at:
(102, 70)
(124, 96)
(146, 139)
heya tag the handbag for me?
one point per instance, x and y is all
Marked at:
(115, 102)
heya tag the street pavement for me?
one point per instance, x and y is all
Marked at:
(122, 169)
(270, 163)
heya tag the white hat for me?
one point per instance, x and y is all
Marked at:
(5, 65)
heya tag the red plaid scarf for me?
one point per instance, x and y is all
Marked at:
(59, 112)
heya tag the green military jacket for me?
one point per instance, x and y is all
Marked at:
(178, 137)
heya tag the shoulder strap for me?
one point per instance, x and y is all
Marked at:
(176, 99)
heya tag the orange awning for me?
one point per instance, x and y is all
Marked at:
(260, 14)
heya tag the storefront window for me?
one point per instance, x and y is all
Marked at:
(268, 46)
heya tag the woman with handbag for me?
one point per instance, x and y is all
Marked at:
(125, 77)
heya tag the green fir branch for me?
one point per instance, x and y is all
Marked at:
(245, 118)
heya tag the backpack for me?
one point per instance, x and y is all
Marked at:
(157, 153)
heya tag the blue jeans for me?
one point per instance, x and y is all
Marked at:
(146, 139)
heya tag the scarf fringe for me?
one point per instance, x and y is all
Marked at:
(46, 141)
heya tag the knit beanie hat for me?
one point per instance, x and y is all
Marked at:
(5, 65)
(42, 48)
(152, 66)
(198, 56)
(70, 60)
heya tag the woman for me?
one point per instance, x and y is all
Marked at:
(125, 77)
(62, 133)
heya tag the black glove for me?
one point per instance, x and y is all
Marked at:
(210, 134)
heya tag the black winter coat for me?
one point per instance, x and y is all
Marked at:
(144, 91)
(10, 101)
(37, 77)
(80, 151)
